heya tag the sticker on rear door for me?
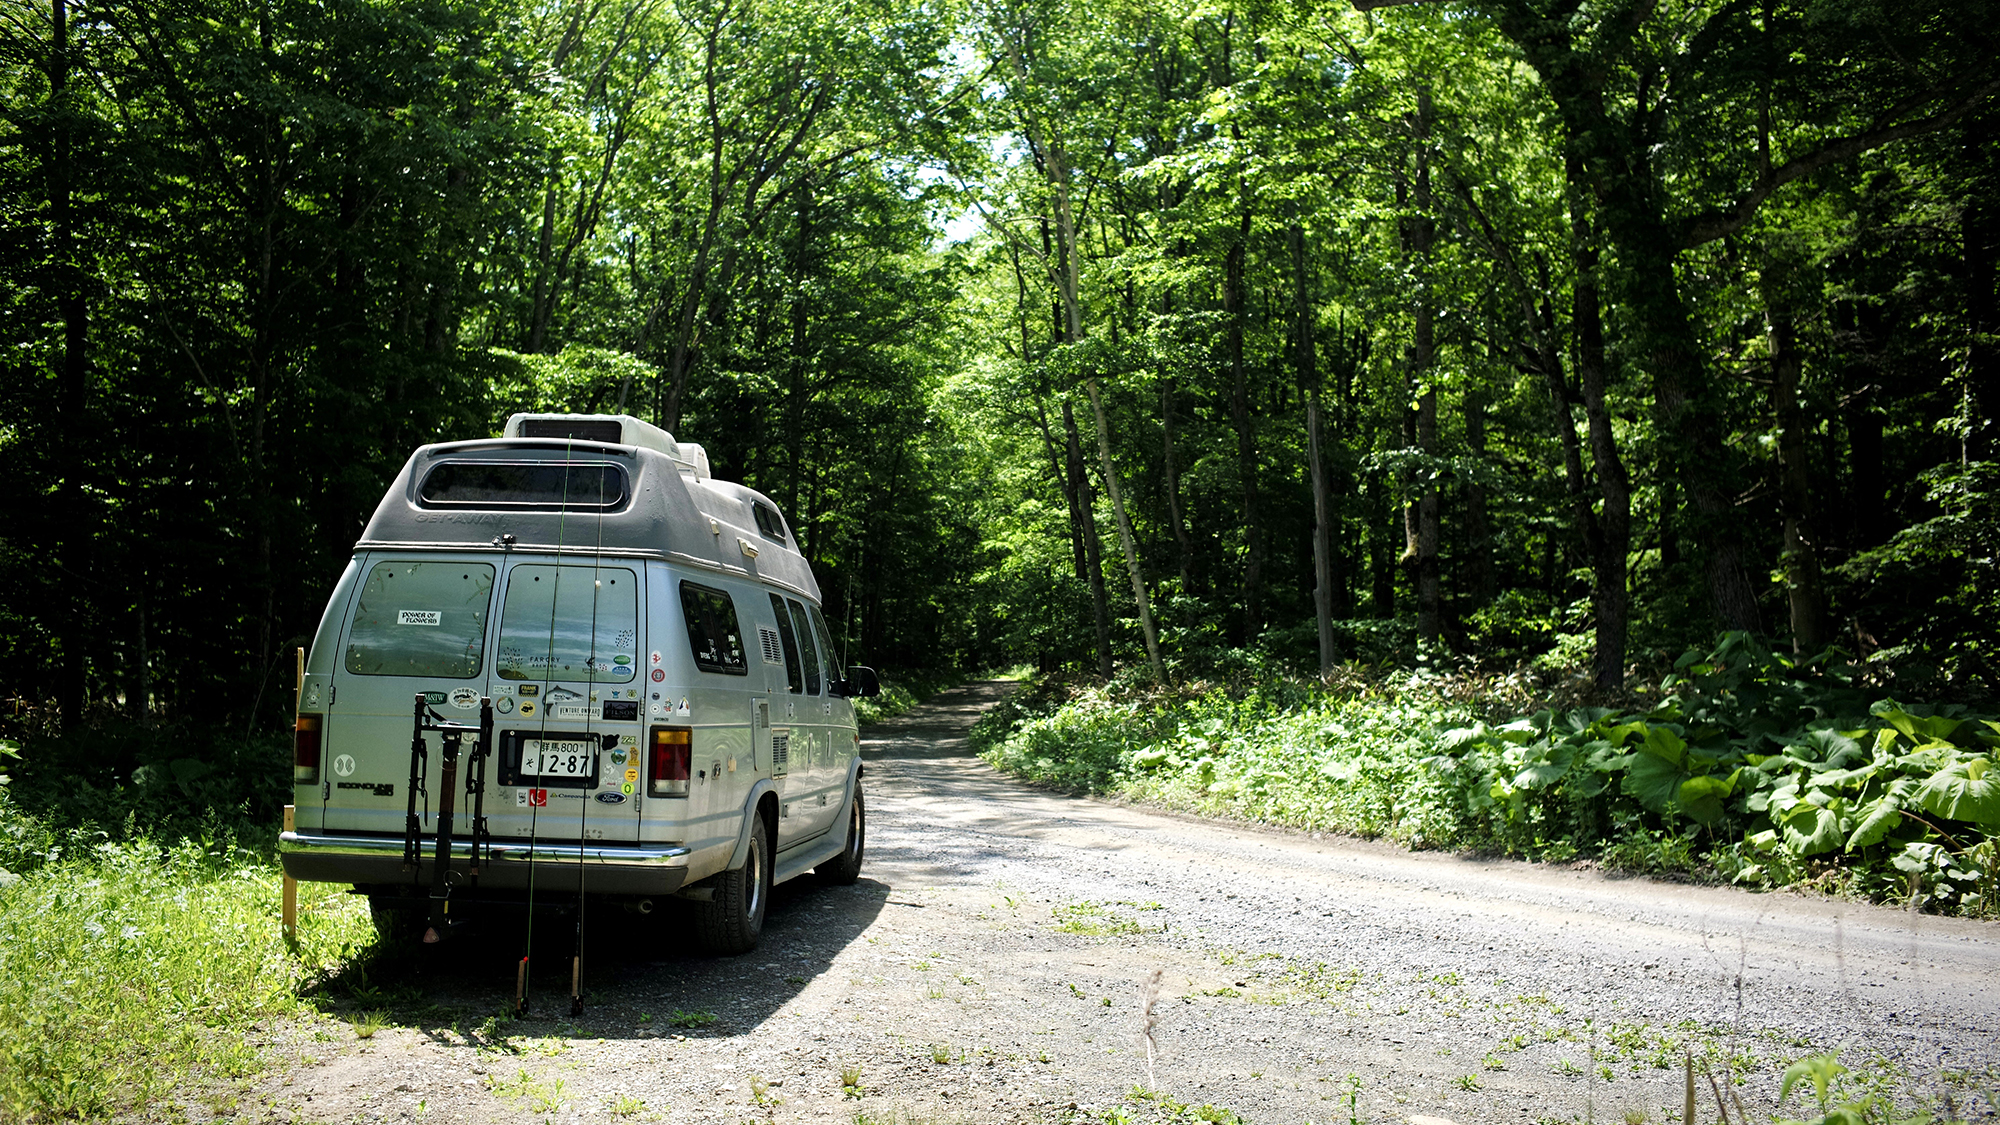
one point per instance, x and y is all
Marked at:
(464, 698)
(531, 798)
(419, 617)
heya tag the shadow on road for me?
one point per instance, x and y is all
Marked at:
(636, 967)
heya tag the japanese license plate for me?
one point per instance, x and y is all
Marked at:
(551, 758)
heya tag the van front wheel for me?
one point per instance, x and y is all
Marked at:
(731, 922)
(845, 868)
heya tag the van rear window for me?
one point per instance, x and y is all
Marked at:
(421, 619)
(524, 485)
(714, 637)
(570, 623)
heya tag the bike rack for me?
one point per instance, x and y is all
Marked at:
(451, 740)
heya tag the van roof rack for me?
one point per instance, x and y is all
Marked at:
(612, 429)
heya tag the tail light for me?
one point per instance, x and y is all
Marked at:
(305, 750)
(672, 748)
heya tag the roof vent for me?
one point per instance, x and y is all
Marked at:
(612, 429)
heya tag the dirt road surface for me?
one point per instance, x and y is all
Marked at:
(1007, 950)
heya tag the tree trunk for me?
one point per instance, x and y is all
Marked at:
(1322, 538)
(1234, 312)
(1181, 540)
(1478, 525)
(1982, 320)
(1306, 361)
(1420, 233)
(1381, 548)
(1618, 163)
(75, 520)
(1800, 563)
(1611, 602)
(1066, 482)
(1125, 539)
(1430, 601)
(795, 393)
(1079, 484)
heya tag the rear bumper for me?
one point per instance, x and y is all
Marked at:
(616, 869)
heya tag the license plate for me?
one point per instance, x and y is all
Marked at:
(549, 758)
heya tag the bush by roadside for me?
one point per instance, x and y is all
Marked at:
(1750, 767)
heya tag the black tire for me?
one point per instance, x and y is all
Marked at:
(733, 920)
(845, 868)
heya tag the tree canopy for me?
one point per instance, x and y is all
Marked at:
(1154, 338)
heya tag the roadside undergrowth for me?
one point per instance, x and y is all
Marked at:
(1746, 766)
(129, 971)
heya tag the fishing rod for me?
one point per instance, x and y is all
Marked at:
(590, 713)
(521, 972)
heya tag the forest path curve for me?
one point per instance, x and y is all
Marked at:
(995, 961)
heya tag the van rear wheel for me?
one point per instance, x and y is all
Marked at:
(845, 868)
(732, 921)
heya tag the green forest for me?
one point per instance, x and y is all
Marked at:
(1553, 428)
(1176, 346)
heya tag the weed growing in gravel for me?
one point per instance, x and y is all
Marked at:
(696, 1018)
(850, 1080)
(940, 1053)
(625, 1105)
(1175, 1110)
(1099, 919)
(368, 1023)
(1466, 1082)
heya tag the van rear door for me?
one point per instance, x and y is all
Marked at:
(417, 624)
(568, 718)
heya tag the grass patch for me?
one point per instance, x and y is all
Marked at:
(1100, 919)
(129, 970)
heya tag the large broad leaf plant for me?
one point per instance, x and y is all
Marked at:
(1776, 760)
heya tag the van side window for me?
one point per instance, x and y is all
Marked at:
(769, 522)
(791, 643)
(803, 628)
(421, 619)
(826, 644)
(713, 635)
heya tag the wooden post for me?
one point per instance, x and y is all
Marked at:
(291, 890)
(290, 916)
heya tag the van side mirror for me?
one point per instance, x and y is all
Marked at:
(862, 681)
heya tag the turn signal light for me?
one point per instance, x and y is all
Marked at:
(305, 750)
(672, 748)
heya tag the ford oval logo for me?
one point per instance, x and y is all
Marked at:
(611, 798)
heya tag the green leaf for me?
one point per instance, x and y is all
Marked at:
(1653, 781)
(1917, 857)
(1701, 797)
(1664, 744)
(1878, 818)
(1820, 1069)
(1967, 789)
(1548, 771)
(1810, 830)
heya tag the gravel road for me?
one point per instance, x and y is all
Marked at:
(999, 958)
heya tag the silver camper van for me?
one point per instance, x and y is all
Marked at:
(569, 661)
